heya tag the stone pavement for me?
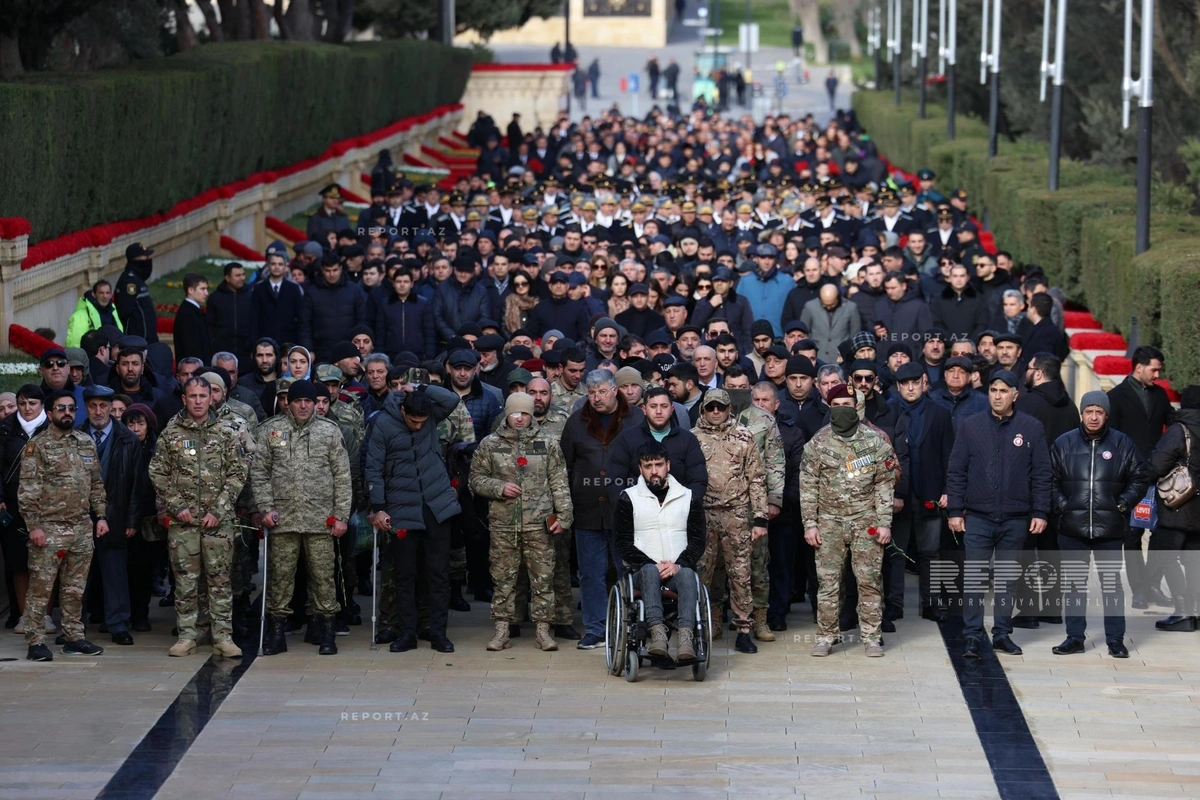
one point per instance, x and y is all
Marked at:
(684, 41)
(476, 724)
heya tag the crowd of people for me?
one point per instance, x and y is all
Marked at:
(672, 345)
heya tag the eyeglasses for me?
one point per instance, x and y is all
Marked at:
(64, 408)
(716, 407)
(520, 283)
(702, 286)
(55, 362)
(863, 378)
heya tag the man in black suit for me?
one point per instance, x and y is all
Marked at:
(1141, 410)
(275, 301)
(192, 338)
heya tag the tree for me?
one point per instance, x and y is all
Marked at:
(395, 18)
(845, 18)
(809, 14)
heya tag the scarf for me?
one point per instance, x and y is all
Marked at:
(516, 309)
(30, 427)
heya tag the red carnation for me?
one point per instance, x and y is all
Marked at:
(872, 531)
(929, 505)
(330, 522)
(62, 554)
(522, 462)
(401, 533)
(454, 483)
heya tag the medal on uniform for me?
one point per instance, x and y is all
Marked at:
(189, 447)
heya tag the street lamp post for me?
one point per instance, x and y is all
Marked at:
(567, 47)
(875, 41)
(1055, 72)
(948, 50)
(896, 18)
(921, 48)
(989, 61)
(1142, 89)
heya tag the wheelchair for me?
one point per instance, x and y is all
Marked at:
(626, 630)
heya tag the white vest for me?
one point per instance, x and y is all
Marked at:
(660, 531)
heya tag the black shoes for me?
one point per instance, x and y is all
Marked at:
(275, 637)
(1156, 598)
(745, 644)
(1068, 647)
(327, 638)
(312, 635)
(777, 623)
(1006, 645)
(1117, 649)
(169, 600)
(39, 652)
(1139, 601)
(122, 637)
(564, 632)
(935, 614)
(385, 636)
(457, 601)
(483, 595)
(81, 647)
(1025, 622)
(403, 643)
(1180, 620)
(971, 649)
(888, 626)
(140, 625)
(439, 642)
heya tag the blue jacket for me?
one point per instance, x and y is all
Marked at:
(766, 295)
(999, 469)
(968, 403)
(329, 313)
(483, 406)
(404, 325)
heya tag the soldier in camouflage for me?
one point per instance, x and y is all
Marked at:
(301, 481)
(847, 477)
(60, 481)
(345, 411)
(521, 469)
(770, 447)
(735, 505)
(569, 389)
(198, 471)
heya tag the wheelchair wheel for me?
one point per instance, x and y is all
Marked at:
(704, 640)
(615, 632)
(634, 661)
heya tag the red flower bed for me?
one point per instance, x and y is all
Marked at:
(12, 227)
(1081, 319)
(1098, 341)
(1112, 365)
(165, 325)
(1172, 395)
(239, 250)
(27, 341)
(276, 225)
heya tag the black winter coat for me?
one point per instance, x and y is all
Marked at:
(191, 335)
(229, 325)
(734, 310)
(120, 484)
(587, 447)
(12, 447)
(960, 315)
(1129, 416)
(794, 439)
(1170, 452)
(328, 314)
(639, 323)
(566, 315)
(455, 304)
(401, 325)
(1096, 483)
(403, 470)
(905, 320)
(277, 317)
(132, 298)
(999, 469)
(930, 449)
(683, 451)
(1050, 405)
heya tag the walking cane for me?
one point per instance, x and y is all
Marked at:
(262, 617)
(374, 583)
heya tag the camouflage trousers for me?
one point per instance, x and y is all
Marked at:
(458, 565)
(760, 578)
(45, 565)
(283, 550)
(728, 544)
(564, 600)
(245, 560)
(866, 562)
(202, 558)
(532, 549)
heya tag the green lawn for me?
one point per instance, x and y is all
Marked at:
(773, 18)
(168, 290)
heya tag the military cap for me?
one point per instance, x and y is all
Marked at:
(520, 375)
(283, 385)
(332, 190)
(945, 213)
(589, 205)
(687, 206)
(529, 213)
(716, 396)
(745, 208)
(926, 174)
(705, 209)
(958, 194)
(328, 373)
(473, 216)
(136, 250)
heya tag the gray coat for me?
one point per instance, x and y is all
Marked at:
(403, 469)
(829, 329)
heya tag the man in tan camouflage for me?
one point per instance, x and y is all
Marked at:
(847, 478)
(769, 442)
(521, 469)
(735, 506)
(300, 478)
(60, 481)
(198, 471)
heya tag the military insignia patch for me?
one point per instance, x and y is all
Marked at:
(29, 449)
(1018, 440)
(131, 288)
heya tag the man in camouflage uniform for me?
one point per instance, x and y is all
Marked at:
(569, 389)
(341, 408)
(60, 481)
(847, 478)
(198, 471)
(301, 479)
(770, 447)
(521, 469)
(552, 418)
(735, 505)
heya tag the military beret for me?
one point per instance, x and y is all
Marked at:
(838, 391)
(534, 364)
(801, 365)
(911, 371)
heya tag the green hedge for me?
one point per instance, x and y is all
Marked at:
(1082, 234)
(81, 149)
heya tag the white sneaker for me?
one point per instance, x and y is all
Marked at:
(20, 626)
(48, 624)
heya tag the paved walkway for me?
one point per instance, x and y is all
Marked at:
(683, 43)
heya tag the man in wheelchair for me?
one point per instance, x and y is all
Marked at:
(659, 531)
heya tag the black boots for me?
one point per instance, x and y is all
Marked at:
(275, 638)
(328, 636)
(1183, 619)
(457, 601)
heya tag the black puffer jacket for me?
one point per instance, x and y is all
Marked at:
(328, 313)
(228, 315)
(1096, 483)
(1169, 452)
(403, 470)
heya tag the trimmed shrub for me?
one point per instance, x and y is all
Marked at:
(82, 149)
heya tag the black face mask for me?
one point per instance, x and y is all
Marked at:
(142, 268)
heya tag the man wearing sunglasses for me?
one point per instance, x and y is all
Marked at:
(56, 374)
(60, 482)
